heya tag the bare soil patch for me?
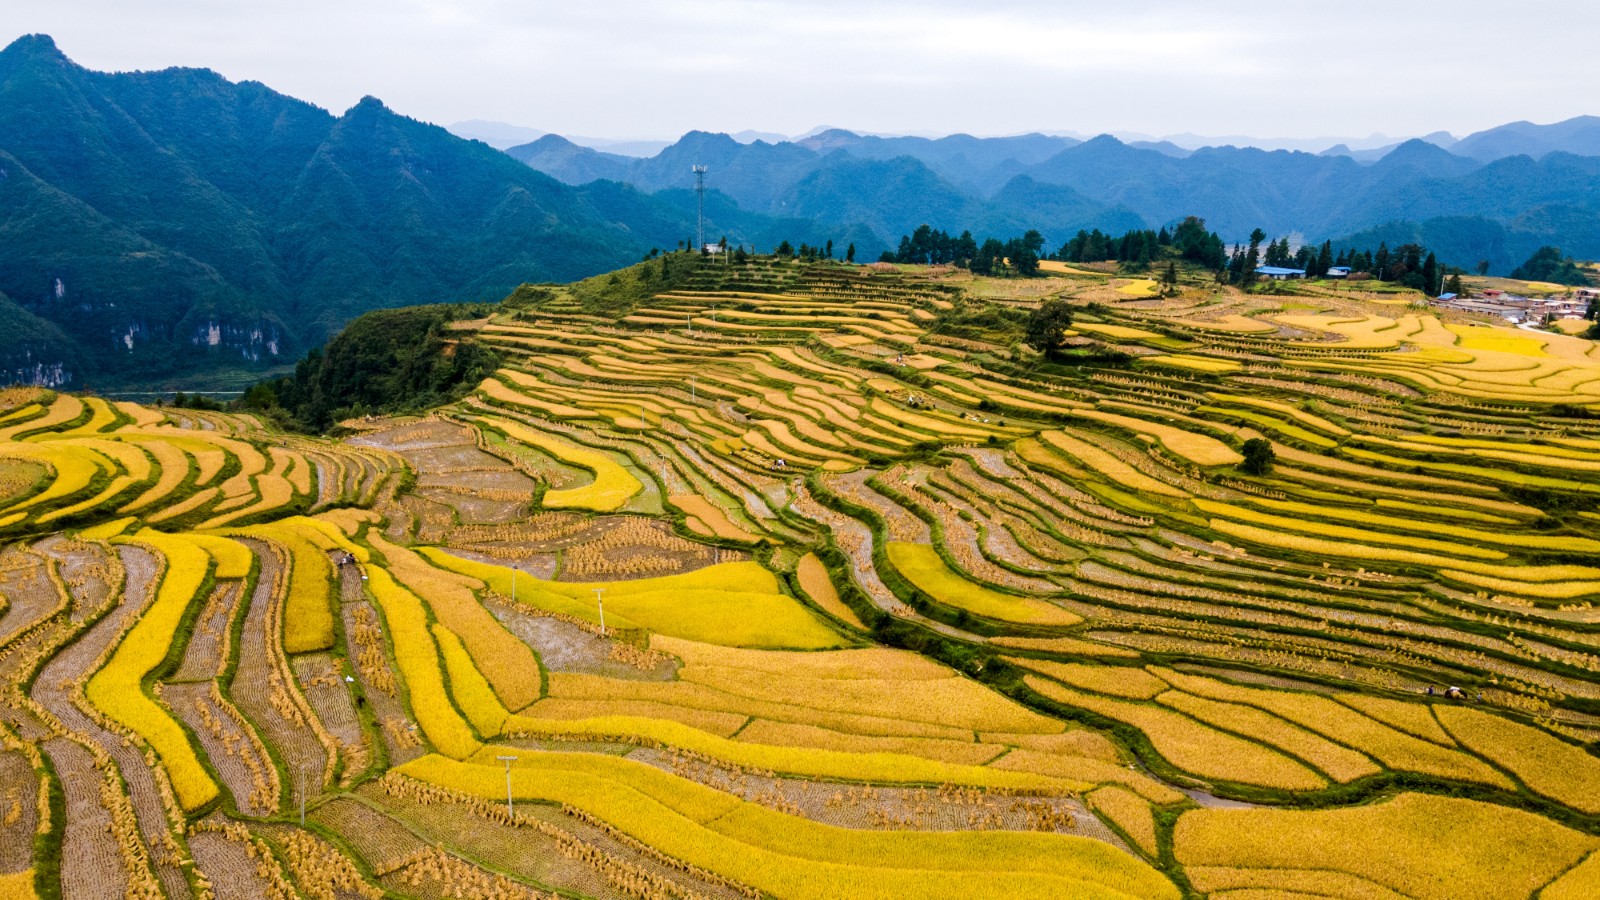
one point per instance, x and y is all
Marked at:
(93, 868)
(19, 812)
(565, 647)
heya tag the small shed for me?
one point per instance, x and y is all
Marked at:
(1279, 273)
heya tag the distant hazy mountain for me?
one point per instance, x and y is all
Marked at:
(498, 135)
(503, 136)
(891, 185)
(165, 222)
(1501, 210)
(1579, 136)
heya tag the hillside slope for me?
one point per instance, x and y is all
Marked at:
(176, 223)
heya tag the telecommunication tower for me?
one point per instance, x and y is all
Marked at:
(700, 202)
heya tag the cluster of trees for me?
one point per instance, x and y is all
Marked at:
(932, 246)
(1411, 265)
(808, 253)
(1137, 249)
(1548, 264)
(386, 361)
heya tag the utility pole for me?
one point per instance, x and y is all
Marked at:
(514, 571)
(700, 199)
(600, 601)
(508, 760)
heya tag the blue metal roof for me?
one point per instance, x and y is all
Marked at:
(1447, 296)
(1279, 270)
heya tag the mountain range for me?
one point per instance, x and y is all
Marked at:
(161, 224)
(174, 226)
(1478, 200)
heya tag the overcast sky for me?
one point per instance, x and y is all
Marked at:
(657, 68)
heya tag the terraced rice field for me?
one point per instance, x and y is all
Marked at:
(790, 581)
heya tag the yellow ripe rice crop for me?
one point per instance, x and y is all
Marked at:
(1412, 718)
(1274, 537)
(18, 885)
(1339, 763)
(63, 409)
(1323, 529)
(1284, 884)
(713, 516)
(1119, 681)
(1552, 590)
(1421, 846)
(1115, 470)
(612, 487)
(117, 689)
(1121, 332)
(932, 424)
(496, 390)
(791, 857)
(696, 696)
(784, 734)
(1089, 770)
(234, 560)
(868, 663)
(117, 486)
(142, 416)
(738, 604)
(184, 507)
(1309, 420)
(1394, 749)
(418, 660)
(17, 415)
(1191, 746)
(308, 610)
(1262, 420)
(1581, 882)
(101, 417)
(955, 701)
(108, 529)
(504, 660)
(73, 470)
(721, 724)
(921, 565)
(1074, 646)
(472, 692)
(1196, 448)
(1129, 812)
(807, 762)
(814, 581)
(1548, 765)
(1208, 364)
(1498, 340)
(1477, 535)
(174, 465)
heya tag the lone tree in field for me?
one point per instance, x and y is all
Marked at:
(1258, 457)
(1047, 326)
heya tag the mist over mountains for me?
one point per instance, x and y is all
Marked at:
(176, 225)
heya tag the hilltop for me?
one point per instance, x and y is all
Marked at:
(796, 579)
